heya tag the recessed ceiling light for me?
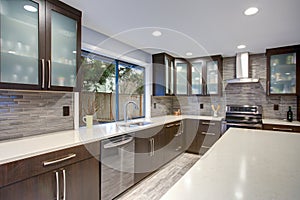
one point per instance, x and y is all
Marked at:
(30, 8)
(251, 11)
(242, 46)
(189, 54)
(156, 33)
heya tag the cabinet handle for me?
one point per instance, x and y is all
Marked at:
(49, 66)
(208, 123)
(283, 129)
(51, 162)
(65, 184)
(206, 133)
(57, 185)
(43, 73)
(170, 125)
(178, 148)
(268, 88)
(178, 134)
(153, 145)
(178, 124)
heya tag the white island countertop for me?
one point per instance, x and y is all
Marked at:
(244, 164)
(17, 149)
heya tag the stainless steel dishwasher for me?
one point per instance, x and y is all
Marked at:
(117, 165)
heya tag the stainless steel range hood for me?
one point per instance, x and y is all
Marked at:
(242, 70)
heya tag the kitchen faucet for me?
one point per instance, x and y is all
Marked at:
(125, 109)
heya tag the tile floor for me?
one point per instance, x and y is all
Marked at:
(157, 184)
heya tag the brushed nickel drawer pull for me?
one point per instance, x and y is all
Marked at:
(208, 123)
(49, 77)
(57, 185)
(43, 73)
(178, 134)
(283, 129)
(51, 162)
(169, 126)
(178, 148)
(205, 147)
(207, 133)
(65, 184)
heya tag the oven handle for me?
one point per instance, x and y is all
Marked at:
(243, 125)
(117, 144)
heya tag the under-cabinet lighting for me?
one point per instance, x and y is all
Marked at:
(74, 52)
(251, 11)
(30, 8)
(156, 33)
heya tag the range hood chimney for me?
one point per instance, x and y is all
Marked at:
(242, 70)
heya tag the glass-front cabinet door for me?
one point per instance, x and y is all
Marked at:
(181, 68)
(63, 47)
(283, 73)
(212, 75)
(197, 81)
(20, 42)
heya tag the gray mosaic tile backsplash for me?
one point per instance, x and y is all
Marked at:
(239, 94)
(25, 113)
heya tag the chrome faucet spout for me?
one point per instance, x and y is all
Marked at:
(125, 109)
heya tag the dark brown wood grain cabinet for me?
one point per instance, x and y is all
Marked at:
(201, 135)
(155, 147)
(71, 173)
(163, 74)
(283, 72)
(40, 45)
(279, 127)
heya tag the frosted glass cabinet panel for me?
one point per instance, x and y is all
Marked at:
(197, 83)
(19, 42)
(283, 74)
(63, 50)
(181, 77)
(212, 77)
(169, 79)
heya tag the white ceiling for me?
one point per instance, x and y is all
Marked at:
(198, 26)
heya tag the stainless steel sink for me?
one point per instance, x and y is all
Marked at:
(134, 124)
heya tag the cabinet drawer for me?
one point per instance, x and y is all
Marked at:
(210, 126)
(22, 169)
(277, 127)
(209, 138)
(203, 149)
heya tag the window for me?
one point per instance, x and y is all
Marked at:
(109, 84)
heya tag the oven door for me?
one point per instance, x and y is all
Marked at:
(243, 125)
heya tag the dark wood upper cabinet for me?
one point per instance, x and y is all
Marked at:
(283, 72)
(179, 76)
(40, 45)
(206, 75)
(163, 74)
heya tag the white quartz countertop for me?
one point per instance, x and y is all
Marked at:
(281, 122)
(18, 149)
(244, 164)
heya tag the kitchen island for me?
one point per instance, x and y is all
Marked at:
(244, 164)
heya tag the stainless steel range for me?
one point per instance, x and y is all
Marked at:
(243, 116)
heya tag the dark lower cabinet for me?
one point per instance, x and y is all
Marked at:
(201, 135)
(279, 127)
(77, 181)
(154, 147)
(71, 173)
